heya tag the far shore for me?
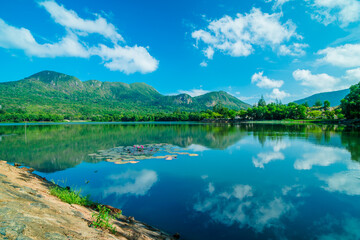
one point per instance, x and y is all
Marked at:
(350, 122)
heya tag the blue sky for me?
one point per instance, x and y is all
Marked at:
(282, 49)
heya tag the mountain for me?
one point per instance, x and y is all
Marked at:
(333, 97)
(60, 93)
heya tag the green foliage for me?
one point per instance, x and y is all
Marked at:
(261, 102)
(318, 103)
(51, 96)
(351, 103)
(315, 114)
(326, 104)
(69, 196)
(103, 218)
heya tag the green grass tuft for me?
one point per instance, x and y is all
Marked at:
(103, 218)
(70, 196)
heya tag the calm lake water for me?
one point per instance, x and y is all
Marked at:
(251, 181)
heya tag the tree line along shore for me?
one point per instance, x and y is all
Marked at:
(348, 109)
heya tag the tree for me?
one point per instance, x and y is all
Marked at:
(326, 104)
(306, 104)
(351, 103)
(262, 102)
(318, 103)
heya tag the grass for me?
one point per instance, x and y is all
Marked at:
(69, 196)
(102, 218)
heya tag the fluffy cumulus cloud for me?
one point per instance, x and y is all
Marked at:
(194, 92)
(318, 82)
(71, 20)
(324, 82)
(117, 57)
(353, 75)
(264, 82)
(22, 39)
(347, 55)
(238, 36)
(243, 206)
(344, 182)
(295, 49)
(342, 11)
(278, 94)
(266, 157)
(131, 183)
(321, 156)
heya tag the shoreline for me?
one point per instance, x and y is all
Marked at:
(29, 211)
(346, 122)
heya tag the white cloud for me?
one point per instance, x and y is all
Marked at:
(242, 191)
(209, 52)
(278, 145)
(71, 20)
(319, 82)
(344, 182)
(342, 11)
(264, 82)
(320, 156)
(277, 3)
(265, 158)
(203, 64)
(295, 49)
(211, 188)
(242, 206)
(353, 75)
(194, 92)
(132, 182)
(278, 94)
(22, 39)
(347, 55)
(197, 148)
(238, 36)
(127, 59)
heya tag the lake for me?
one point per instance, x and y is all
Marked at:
(247, 181)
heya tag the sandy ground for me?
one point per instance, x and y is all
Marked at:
(28, 211)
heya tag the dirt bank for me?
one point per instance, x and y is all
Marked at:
(28, 211)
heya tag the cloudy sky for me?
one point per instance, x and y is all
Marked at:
(282, 49)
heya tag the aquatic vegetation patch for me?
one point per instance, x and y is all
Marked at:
(135, 153)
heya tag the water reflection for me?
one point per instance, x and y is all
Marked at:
(346, 182)
(264, 158)
(57, 147)
(320, 156)
(246, 206)
(136, 183)
(251, 181)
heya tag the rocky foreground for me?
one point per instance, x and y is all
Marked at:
(28, 211)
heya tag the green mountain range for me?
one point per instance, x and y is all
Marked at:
(333, 97)
(63, 94)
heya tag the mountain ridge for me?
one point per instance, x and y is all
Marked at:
(55, 92)
(334, 97)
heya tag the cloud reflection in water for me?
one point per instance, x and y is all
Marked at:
(131, 182)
